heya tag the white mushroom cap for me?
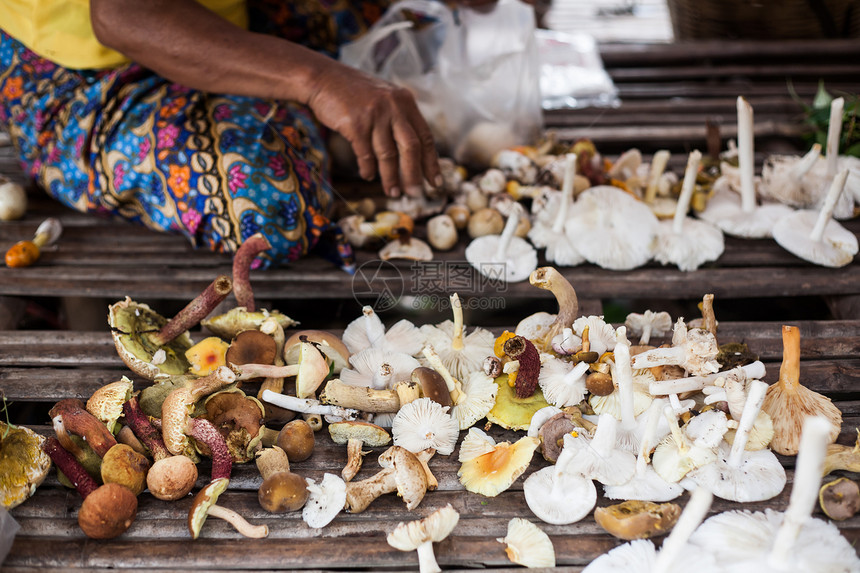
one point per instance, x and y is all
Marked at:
(612, 229)
(814, 236)
(726, 212)
(782, 177)
(549, 232)
(598, 458)
(424, 424)
(527, 545)
(325, 501)
(535, 326)
(476, 443)
(557, 495)
(676, 455)
(648, 324)
(478, 398)
(462, 354)
(503, 256)
(411, 249)
(378, 369)
(562, 382)
(420, 535)
(601, 335)
(368, 331)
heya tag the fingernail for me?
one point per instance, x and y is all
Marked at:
(414, 190)
(438, 181)
(394, 191)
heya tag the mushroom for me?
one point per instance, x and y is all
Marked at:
(675, 555)
(296, 438)
(459, 214)
(562, 382)
(647, 324)
(488, 468)
(282, 490)
(23, 464)
(251, 347)
(333, 347)
(367, 331)
(378, 369)
(69, 416)
(556, 494)
(239, 419)
(360, 398)
(461, 354)
(510, 411)
(420, 535)
(551, 431)
(205, 504)
(442, 232)
(108, 510)
(356, 435)
(598, 458)
(516, 165)
(207, 355)
(684, 241)
(485, 221)
(694, 350)
(325, 501)
(239, 319)
(775, 541)
(559, 248)
(636, 519)
(361, 233)
(407, 247)
(677, 454)
(107, 401)
(402, 472)
(741, 216)
(656, 169)
(814, 236)
(542, 327)
(629, 432)
(599, 336)
(472, 399)
(424, 424)
(527, 545)
(124, 466)
(141, 335)
(243, 260)
(170, 477)
(25, 253)
(782, 177)
(788, 402)
(839, 499)
(13, 200)
(612, 229)
(841, 457)
(503, 256)
(738, 474)
(308, 406)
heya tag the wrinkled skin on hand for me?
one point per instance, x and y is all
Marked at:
(384, 126)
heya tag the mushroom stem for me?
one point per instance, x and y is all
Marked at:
(126, 436)
(250, 371)
(789, 370)
(338, 393)
(195, 311)
(274, 329)
(426, 558)
(708, 317)
(687, 188)
(271, 461)
(359, 495)
(71, 416)
(807, 162)
(624, 374)
(694, 383)
(746, 155)
(239, 523)
(834, 130)
(648, 434)
(407, 392)
(354, 458)
(755, 398)
(566, 192)
(804, 492)
(603, 441)
(548, 278)
(307, 406)
(677, 435)
(144, 430)
(70, 467)
(454, 386)
(457, 308)
(204, 432)
(507, 234)
(242, 261)
(424, 456)
(826, 212)
(658, 166)
(211, 383)
(692, 516)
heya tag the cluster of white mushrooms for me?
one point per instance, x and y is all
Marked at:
(622, 216)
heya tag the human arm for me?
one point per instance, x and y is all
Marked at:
(190, 45)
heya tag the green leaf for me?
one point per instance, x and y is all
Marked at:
(822, 98)
(853, 151)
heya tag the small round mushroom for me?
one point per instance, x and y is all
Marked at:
(297, 440)
(204, 505)
(485, 222)
(282, 490)
(420, 535)
(840, 499)
(251, 347)
(635, 519)
(442, 232)
(123, 466)
(13, 200)
(460, 214)
(432, 385)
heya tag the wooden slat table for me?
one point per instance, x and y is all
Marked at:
(39, 368)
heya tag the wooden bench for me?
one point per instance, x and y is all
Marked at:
(39, 368)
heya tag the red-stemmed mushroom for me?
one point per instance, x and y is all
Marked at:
(107, 511)
(242, 263)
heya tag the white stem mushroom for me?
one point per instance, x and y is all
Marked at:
(307, 406)
(696, 352)
(826, 212)
(746, 154)
(834, 130)
(754, 370)
(420, 535)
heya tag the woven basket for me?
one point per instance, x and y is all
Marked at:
(765, 19)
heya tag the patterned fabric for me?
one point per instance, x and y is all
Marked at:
(215, 168)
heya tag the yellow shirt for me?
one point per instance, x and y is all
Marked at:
(60, 30)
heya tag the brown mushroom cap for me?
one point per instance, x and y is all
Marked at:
(408, 474)
(239, 418)
(637, 519)
(297, 439)
(329, 344)
(205, 499)
(252, 347)
(370, 434)
(107, 512)
(282, 492)
(171, 478)
(433, 386)
(599, 384)
(551, 435)
(124, 466)
(840, 499)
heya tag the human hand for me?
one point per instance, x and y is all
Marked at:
(383, 125)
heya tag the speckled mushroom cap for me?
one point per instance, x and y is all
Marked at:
(129, 322)
(407, 536)
(174, 414)
(106, 402)
(408, 474)
(325, 501)
(23, 464)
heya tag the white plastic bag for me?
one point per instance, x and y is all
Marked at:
(475, 75)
